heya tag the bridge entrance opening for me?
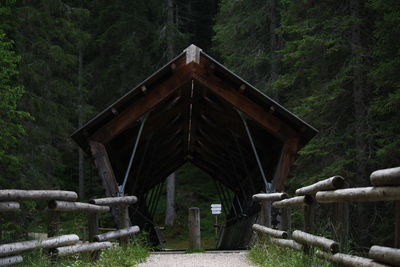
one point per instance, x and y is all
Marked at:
(194, 110)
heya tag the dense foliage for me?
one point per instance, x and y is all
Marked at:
(333, 63)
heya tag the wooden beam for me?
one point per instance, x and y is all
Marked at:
(147, 102)
(271, 123)
(104, 168)
(286, 159)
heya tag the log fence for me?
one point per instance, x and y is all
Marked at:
(385, 187)
(63, 245)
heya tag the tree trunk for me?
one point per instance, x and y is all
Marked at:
(360, 114)
(81, 165)
(273, 45)
(170, 202)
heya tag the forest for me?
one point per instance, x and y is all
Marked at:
(335, 64)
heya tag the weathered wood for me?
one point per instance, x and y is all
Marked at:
(294, 201)
(265, 213)
(93, 225)
(124, 223)
(287, 243)
(194, 228)
(108, 201)
(270, 231)
(16, 194)
(314, 240)
(309, 218)
(341, 221)
(18, 247)
(386, 177)
(269, 196)
(117, 234)
(385, 255)
(271, 123)
(360, 194)
(9, 206)
(11, 260)
(147, 102)
(53, 223)
(285, 219)
(397, 224)
(286, 159)
(348, 260)
(104, 168)
(68, 250)
(76, 206)
(332, 183)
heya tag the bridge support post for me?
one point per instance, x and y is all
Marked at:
(53, 221)
(93, 225)
(194, 228)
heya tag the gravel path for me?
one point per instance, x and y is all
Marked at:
(214, 259)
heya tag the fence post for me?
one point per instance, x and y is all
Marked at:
(194, 228)
(265, 213)
(53, 221)
(285, 222)
(397, 224)
(124, 222)
(341, 213)
(309, 217)
(93, 225)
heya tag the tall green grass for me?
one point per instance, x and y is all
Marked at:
(267, 254)
(131, 255)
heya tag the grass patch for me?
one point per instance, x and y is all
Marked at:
(130, 255)
(269, 255)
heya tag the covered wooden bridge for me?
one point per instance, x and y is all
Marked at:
(194, 109)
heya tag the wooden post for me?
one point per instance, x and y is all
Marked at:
(124, 223)
(53, 220)
(285, 222)
(194, 228)
(309, 217)
(93, 225)
(265, 213)
(341, 213)
(397, 224)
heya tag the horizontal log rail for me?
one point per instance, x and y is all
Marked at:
(126, 200)
(18, 247)
(287, 243)
(360, 194)
(270, 231)
(76, 206)
(9, 206)
(269, 196)
(314, 240)
(86, 247)
(386, 177)
(332, 183)
(16, 194)
(386, 255)
(349, 260)
(293, 202)
(7, 261)
(117, 234)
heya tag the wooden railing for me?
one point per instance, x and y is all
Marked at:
(385, 187)
(65, 201)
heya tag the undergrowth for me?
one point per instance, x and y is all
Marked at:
(131, 255)
(269, 255)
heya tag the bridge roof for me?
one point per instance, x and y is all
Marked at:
(193, 107)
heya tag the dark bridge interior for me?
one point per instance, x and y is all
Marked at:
(194, 109)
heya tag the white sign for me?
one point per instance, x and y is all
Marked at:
(216, 208)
